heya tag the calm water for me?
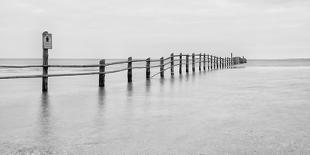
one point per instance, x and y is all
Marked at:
(262, 107)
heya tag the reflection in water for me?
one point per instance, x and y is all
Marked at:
(44, 116)
(101, 100)
(45, 136)
(147, 86)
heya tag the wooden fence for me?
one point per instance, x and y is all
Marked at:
(205, 62)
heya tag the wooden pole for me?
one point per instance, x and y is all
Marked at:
(45, 71)
(199, 61)
(172, 64)
(193, 62)
(148, 68)
(129, 70)
(187, 63)
(46, 44)
(208, 62)
(162, 73)
(204, 61)
(101, 76)
(180, 64)
(211, 62)
(231, 59)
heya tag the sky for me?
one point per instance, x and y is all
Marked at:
(256, 29)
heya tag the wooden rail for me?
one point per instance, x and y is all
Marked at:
(205, 62)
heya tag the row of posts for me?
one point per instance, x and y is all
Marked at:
(212, 63)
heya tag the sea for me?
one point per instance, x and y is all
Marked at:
(261, 107)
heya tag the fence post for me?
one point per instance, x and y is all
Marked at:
(129, 70)
(199, 61)
(231, 59)
(172, 64)
(211, 62)
(204, 61)
(180, 65)
(193, 62)
(186, 63)
(214, 64)
(208, 62)
(46, 44)
(162, 73)
(148, 69)
(102, 74)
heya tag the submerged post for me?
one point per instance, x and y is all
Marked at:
(172, 64)
(148, 68)
(199, 61)
(162, 73)
(102, 74)
(208, 62)
(46, 44)
(186, 63)
(204, 61)
(129, 70)
(193, 62)
(180, 64)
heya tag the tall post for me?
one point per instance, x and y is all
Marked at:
(102, 74)
(129, 70)
(208, 62)
(148, 68)
(187, 63)
(46, 44)
(193, 62)
(231, 59)
(162, 73)
(214, 64)
(204, 61)
(199, 61)
(172, 64)
(217, 62)
(211, 62)
(180, 64)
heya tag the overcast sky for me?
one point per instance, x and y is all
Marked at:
(143, 28)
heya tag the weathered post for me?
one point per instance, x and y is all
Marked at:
(180, 64)
(172, 64)
(217, 62)
(186, 63)
(102, 74)
(148, 68)
(211, 62)
(129, 70)
(199, 62)
(208, 62)
(162, 73)
(46, 44)
(193, 62)
(204, 61)
(231, 59)
(214, 64)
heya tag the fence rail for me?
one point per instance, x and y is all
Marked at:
(205, 61)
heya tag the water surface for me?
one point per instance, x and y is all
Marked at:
(258, 108)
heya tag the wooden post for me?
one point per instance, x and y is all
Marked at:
(180, 65)
(148, 68)
(217, 62)
(204, 61)
(199, 61)
(214, 64)
(162, 73)
(46, 44)
(193, 62)
(102, 74)
(172, 64)
(129, 70)
(211, 62)
(208, 62)
(187, 63)
(231, 59)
